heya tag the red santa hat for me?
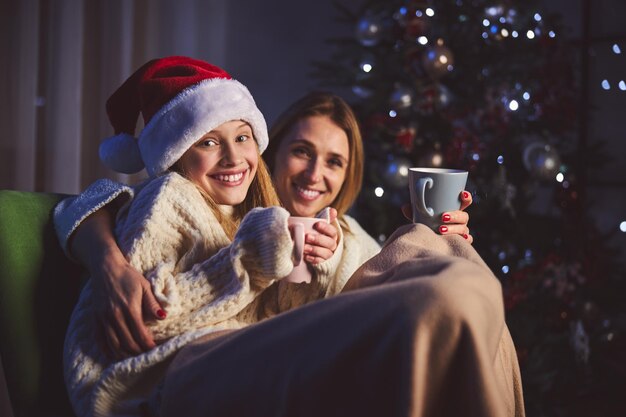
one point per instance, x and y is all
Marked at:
(181, 99)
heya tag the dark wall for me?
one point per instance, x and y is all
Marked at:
(270, 46)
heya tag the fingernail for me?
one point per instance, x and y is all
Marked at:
(465, 236)
(465, 195)
(446, 217)
(443, 229)
(162, 314)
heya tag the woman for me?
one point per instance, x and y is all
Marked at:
(316, 158)
(317, 142)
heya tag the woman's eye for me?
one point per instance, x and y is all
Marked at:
(335, 162)
(301, 151)
(242, 138)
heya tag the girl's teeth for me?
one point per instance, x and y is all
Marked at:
(230, 178)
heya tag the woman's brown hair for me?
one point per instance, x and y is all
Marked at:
(333, 106)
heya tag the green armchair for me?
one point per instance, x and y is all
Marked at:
(39, 286)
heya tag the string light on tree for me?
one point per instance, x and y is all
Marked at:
(560, 177)
(366, 64)
(412, 22)
(498, 22)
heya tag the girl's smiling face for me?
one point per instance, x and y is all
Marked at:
(310, 166)
(223, 163)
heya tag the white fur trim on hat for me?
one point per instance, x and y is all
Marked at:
(121, 154)
(193, 113)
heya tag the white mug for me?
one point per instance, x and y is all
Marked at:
(434, 191)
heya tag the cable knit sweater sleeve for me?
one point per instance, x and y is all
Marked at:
(72, 211)
(200, 277)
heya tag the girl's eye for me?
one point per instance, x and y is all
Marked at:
(242, 138)
(207, 143)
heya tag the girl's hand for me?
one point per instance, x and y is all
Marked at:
(321, 246)
(455, 222)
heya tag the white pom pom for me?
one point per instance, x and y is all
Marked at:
(121, 154)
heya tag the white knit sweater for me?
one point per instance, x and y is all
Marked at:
(168, 233)
(204, 281)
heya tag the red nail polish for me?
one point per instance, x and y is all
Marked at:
(465, 195)
(465, 236)
(446, 217)
(161, 314)
(443, 229)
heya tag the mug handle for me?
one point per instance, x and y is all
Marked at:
(298, 243)
(421, 186)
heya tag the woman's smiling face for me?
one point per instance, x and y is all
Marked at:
(310, 165)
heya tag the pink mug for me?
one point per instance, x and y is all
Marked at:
(300, 227)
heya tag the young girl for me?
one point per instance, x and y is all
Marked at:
(195, 228)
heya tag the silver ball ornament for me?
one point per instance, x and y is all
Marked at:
(401, 97)
(541, 160)
(369, 30)
(437, 61)
(396, 171)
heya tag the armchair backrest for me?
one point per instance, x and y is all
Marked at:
(39, 286)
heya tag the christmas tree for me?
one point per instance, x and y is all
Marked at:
(491, 87)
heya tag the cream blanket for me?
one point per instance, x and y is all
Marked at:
(418, 331)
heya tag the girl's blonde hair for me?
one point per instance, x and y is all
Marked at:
(333, 106)
(260, 194)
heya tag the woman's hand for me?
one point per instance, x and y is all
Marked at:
(455, 222)
(122, 297)
(120, 293)
(321, 246)
(452, 222)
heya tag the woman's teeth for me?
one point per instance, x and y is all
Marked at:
(229, 178)
(308, 193)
